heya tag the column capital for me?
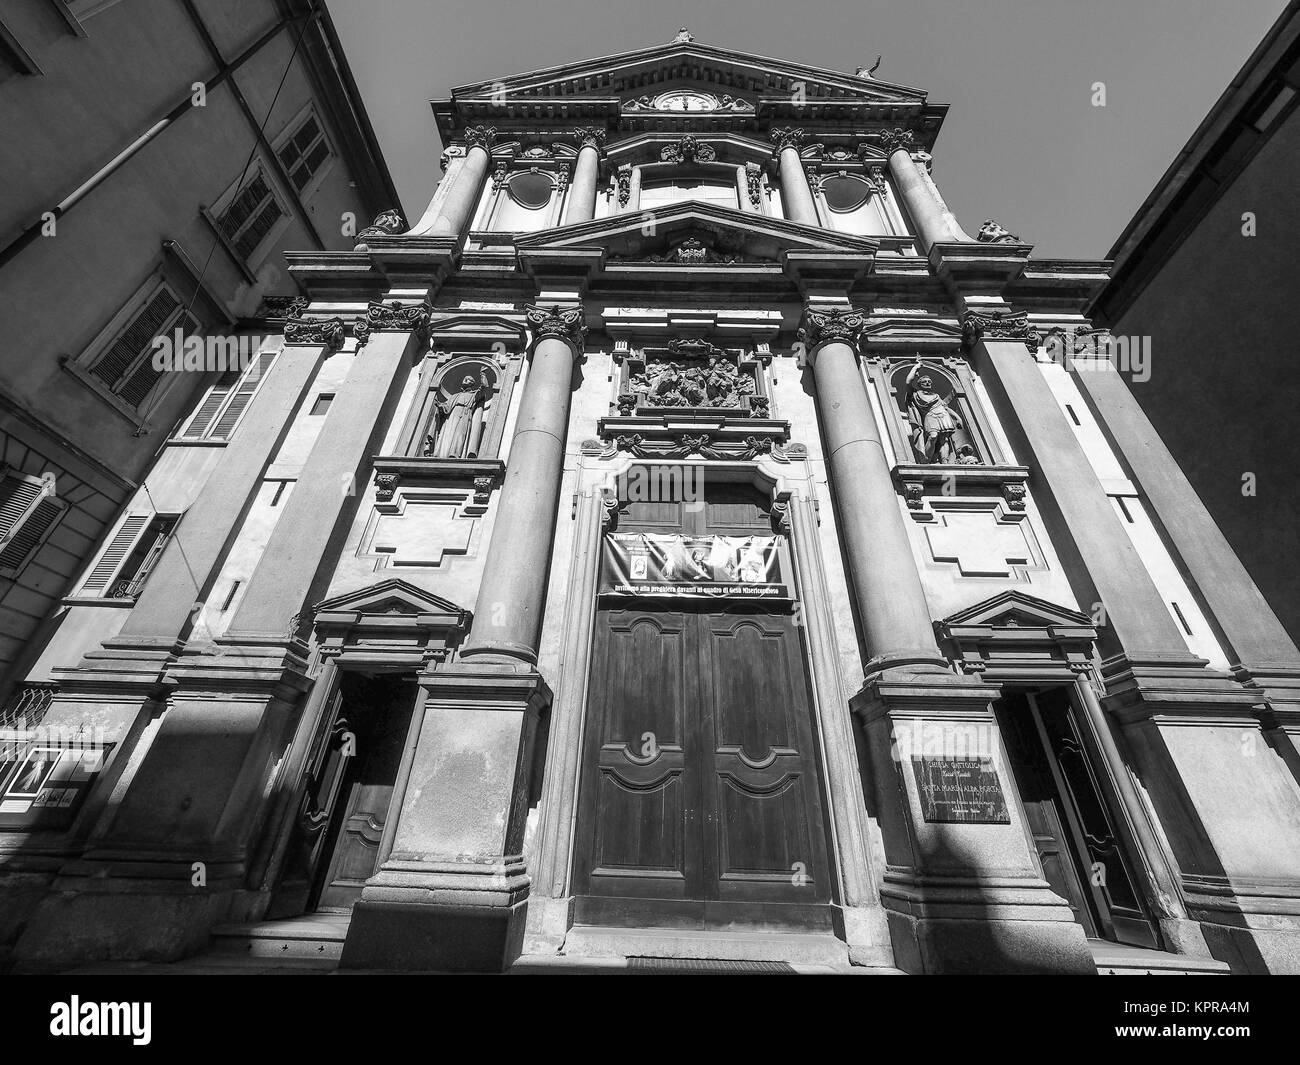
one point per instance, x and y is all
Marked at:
(822, 327)
(589, 137)
(329, 332)
(891, 140)
(998, 325)
(790, 137)
(563, 323)
(392, 317)
(452, 151)
(480, 136)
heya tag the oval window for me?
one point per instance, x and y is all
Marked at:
(845, 193)
(530, 190)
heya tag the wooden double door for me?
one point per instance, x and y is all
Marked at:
(701, 799)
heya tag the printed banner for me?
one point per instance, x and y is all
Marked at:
(692, 567)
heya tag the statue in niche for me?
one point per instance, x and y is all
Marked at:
(459, 420)
(933, 419)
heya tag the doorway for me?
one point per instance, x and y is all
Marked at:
(701, 801)
(347, 791)
(1070, 818)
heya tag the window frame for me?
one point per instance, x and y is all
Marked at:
(83, 365)
(286, 139)
(260, 251)
(145, 520)
(233, 391)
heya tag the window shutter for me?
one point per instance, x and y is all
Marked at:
(27, 513)
(119, 547)
(149, 322)
(243, 395)
(17, 495)
(145, 376)
(29, 536)
(202, 420)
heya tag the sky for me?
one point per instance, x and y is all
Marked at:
(1023, 141)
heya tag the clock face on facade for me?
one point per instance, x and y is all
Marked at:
(685, 100)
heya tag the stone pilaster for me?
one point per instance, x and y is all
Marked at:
(581, 206)
(1226, 800)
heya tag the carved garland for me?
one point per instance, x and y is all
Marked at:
(687, 149)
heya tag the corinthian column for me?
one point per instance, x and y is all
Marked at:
(795, 193)
(891, 602)
(458, 207)
(586, 172)
(934, 223)
(508, 615)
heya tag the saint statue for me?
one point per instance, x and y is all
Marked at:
(932, 418)
(460, 419)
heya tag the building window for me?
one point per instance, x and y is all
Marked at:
(225, 403)
(853, 204)
(126, 367)
(28, 513)
(304, 153)
(680, 190)
(322, 404)
(131, 554)
(525, 202)
(251, 215)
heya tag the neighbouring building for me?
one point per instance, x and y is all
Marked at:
(1206, 271)
(160, 157)
(684, 541)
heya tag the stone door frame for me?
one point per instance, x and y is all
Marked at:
(789, 484)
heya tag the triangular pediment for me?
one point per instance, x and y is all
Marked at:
(690, 66)
(1011, 610)
(714, 233)
(390, 598)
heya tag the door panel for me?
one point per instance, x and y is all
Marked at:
(700, 780)
(636, 742)
(762, 834)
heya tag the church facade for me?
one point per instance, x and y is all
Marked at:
(686, 541)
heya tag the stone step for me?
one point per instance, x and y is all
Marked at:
(317, 937)
(1120, 959)
(593, 941)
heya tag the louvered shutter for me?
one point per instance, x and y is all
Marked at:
(30, 534)
(149, 322)
(145, 376)
(243, 395)
(119, 547)
(17, 494)
(207, 411)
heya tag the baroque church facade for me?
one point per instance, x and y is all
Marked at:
(684, 540)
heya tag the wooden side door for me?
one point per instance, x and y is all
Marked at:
(764, 840)
(380, 712)
(1042, 806)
